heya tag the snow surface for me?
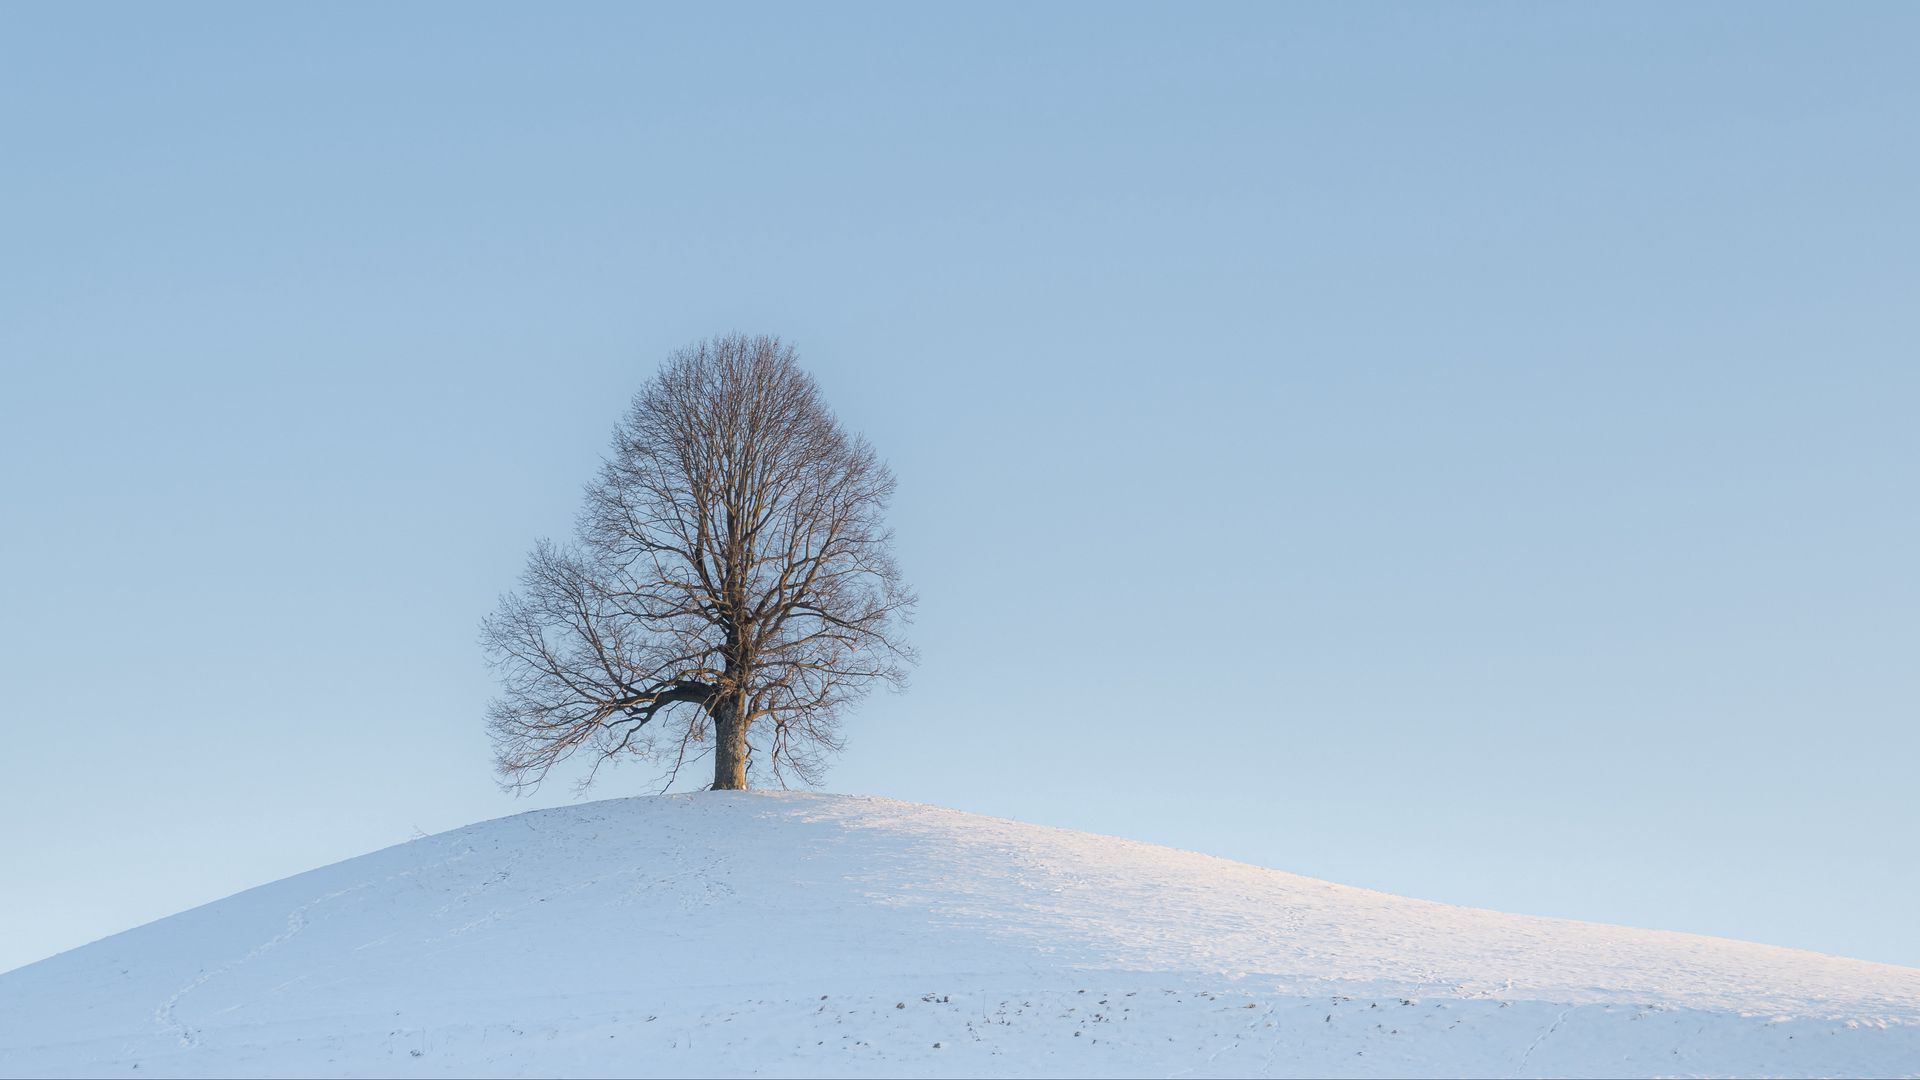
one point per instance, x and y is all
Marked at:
(735, 933)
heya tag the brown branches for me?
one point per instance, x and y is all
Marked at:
(732, 577)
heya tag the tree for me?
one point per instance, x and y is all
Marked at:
(732, 587)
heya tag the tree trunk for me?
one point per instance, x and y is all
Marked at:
(730, 745)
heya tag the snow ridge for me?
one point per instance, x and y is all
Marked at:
(804, 934)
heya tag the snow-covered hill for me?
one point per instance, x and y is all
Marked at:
(733, 934)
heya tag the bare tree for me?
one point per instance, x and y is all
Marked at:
(732, 587)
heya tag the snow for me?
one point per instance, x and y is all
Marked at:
(806, 934)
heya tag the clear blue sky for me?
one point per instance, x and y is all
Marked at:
(1468, 451)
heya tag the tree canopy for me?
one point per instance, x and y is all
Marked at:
(731, 588)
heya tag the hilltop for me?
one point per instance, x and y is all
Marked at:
(791, 933)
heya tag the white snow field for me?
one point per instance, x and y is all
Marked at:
(804, 934)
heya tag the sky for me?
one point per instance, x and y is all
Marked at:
(1467, 451)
